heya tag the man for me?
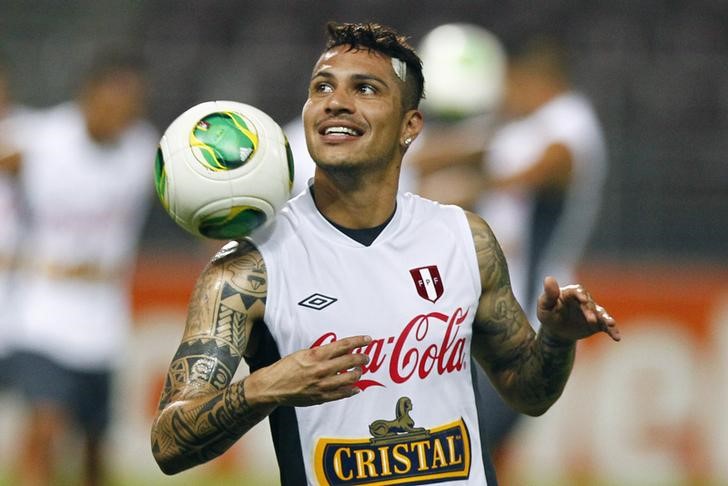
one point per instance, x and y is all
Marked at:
(359, 309)
(84, 176)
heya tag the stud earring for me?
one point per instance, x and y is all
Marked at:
(407, 141)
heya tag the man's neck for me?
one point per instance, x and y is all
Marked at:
(361, 205)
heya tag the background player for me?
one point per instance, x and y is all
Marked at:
(84, 174)
(543, 170)
(360, 118)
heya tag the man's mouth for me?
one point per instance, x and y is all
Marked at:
(342, 131)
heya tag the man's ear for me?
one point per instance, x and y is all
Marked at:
(411, 127)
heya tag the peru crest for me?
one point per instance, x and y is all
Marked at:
(428, 282)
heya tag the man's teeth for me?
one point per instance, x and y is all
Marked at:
(341, 130)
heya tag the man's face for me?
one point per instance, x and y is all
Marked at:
(523, 89)
(353, 116)
(113, 104)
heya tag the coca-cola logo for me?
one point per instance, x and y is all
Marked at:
(404, 356)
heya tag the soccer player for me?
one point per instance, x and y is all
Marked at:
(84, 175)
(359, 309)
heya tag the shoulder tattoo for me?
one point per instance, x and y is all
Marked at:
(228, 297)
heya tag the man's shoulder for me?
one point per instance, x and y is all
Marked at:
(428, 209)
(417, 201)
(571, 110)
(286, 223)
(234, 250)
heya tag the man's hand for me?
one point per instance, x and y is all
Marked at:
(310, 376)
(569, 313)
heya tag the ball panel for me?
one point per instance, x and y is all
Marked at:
(223, 141)
(239, 220)
(160, 179)
(291, 165)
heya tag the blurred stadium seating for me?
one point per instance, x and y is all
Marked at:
(657, 69)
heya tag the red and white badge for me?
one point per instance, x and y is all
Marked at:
(428, 282)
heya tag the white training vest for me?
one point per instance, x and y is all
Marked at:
(415, 291)
(86, 203)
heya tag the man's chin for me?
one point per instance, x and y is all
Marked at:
(333, 159)
(337, 166)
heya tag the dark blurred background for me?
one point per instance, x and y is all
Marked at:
(657, 71)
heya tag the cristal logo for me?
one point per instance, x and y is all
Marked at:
(404, 356)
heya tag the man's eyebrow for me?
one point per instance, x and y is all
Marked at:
(369, 77)
(356, 77)
(322, 74)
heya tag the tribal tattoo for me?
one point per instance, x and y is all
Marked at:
(201, 412)
(527, 369)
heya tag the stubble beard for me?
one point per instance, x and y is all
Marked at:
(352, 175)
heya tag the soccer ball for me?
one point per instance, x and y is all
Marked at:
(464, 65)
(223, 169)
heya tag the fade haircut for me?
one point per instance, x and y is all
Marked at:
(387, 41)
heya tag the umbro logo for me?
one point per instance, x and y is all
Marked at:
(317, 301)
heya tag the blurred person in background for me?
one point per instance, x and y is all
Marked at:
(545, 167)
(536, 175)
(85, 176)
(8, 215)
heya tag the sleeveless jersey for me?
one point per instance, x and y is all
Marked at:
(414, 290)
(85, 203)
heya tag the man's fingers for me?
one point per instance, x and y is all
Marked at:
(346, 362)
(342, 347)
(591, 314)
(334, 358)
(574, 311)
(551, 293)
(346, 378)
(613, 331)
(584, 299)
(339, 385)
(609, 325)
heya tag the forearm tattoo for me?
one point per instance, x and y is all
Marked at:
(201, 413)
(531, 371)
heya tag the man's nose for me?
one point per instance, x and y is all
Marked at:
(339, 101)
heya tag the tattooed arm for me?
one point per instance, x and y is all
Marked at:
(529, 370)
(202, 412)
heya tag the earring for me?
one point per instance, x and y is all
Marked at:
(407, 141)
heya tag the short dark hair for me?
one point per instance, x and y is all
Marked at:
(110, 62)
(387, 41)
(545, 52)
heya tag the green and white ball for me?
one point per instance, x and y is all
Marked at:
(464, 65)
(223, 169)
